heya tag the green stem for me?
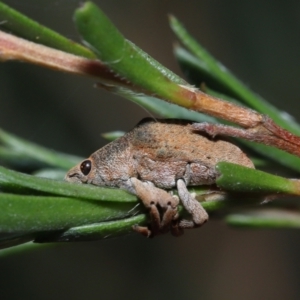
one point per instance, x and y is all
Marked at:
(27, 28)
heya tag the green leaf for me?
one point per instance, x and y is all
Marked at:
(56, 174)
(121, 227)
(94, 232)
(237, 178)
(265, 218)
(22, 248)
(197, 72)
(113, 228)
(163, 108)
(126, 59)
(113, 135)
(278, 156)
(31, 30)
(16, 182)
(11, 240)
(32, 214)
(17, 148)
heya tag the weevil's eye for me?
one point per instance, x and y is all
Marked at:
(86, 166)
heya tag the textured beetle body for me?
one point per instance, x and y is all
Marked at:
(159, 151)
(159, 154)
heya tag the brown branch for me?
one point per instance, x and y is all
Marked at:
(258, 128)
(15, 48)
(242, 116)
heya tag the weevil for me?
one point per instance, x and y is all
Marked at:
(155, 156)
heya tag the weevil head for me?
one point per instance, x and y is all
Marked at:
(84, 172)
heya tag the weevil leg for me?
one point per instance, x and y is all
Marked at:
(145, 231)
(176, 230)
(198, 213)
(220, 129)
(162, 207)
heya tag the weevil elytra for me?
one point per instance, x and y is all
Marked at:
(157, 155)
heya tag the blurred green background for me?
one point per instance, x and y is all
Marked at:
(259, 41)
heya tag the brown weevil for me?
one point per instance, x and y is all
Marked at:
(157, 155)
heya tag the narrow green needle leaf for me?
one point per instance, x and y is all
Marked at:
(22, 183)
(38, 214)
(276, 155)
(265, 218)
(14, 239)
(163, 108)
(113, 135)
(197, 71)
(93, 232)
(56, 174)
(241, 179)
(25, 27)
(22, 248)
(33, 152)
(126, 59)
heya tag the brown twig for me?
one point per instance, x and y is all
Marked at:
(15, 48)
(258, 128)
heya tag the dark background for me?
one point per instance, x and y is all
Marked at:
(257, 40)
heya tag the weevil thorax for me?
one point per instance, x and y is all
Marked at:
(109, 166)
